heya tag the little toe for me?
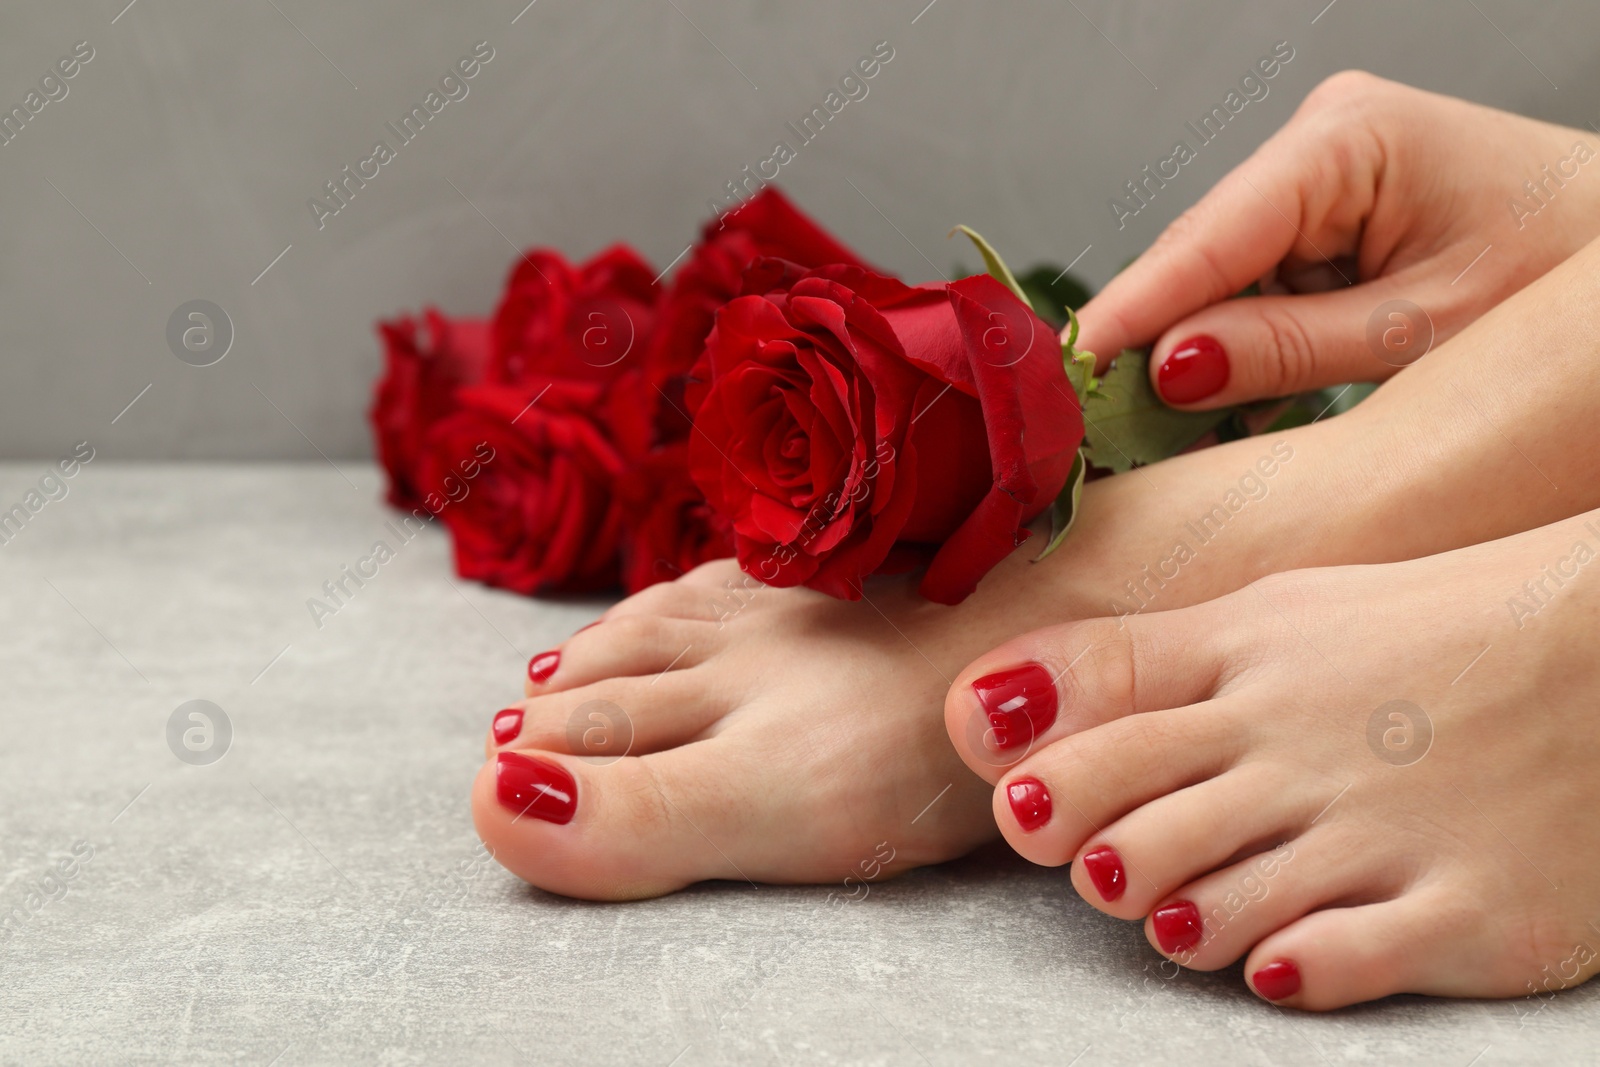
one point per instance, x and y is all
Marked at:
(1067, 793)
(614, 717)
(1213, 921)
(622, 647)
(1419, 942)
(1059, 680)
(1175, 839)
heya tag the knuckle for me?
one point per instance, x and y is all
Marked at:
(1290, 359)
(1342, 88)
(631, 630)
(1098, 668)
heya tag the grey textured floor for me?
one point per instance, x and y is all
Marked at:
(315, 895)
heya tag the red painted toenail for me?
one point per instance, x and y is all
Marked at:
(1020, 703)
(1178, 927)
(542, 666)
(1105, 871)
(507, 725)
(535, 787)
(1278, 979)
(1030, 803)
(1196, 368)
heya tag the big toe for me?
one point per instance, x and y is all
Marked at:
(1059, 680)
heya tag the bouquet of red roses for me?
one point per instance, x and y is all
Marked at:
(780, 400)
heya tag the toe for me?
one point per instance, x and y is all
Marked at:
(1059, 680)
(614, 717)
(1149, 853)
(1213, 921)
(1417, 943)
(1068, 792)
(582, 829)
(645, 826)
(620, 647)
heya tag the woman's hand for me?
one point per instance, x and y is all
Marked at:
(1374, 192)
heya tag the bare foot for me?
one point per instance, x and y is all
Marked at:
(777, 735)
(1367, 780)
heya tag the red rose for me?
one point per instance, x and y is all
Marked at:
(850, 424)
(580, 323)
(765, 225)
(670, 528)
(539, 513)
(418, 388)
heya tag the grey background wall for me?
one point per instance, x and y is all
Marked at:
(180, 162)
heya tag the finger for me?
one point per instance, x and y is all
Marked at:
(1272, 346)
(1277, 205)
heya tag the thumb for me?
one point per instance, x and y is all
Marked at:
(1256, 348)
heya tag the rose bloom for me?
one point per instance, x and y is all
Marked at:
(670, 529)
(541, 513)
(424, 365)
(767, 224)
(584, 323)
(847, 424)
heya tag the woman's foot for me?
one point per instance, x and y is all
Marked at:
(1364, 780)
(716, 728)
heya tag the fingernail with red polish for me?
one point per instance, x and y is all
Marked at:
(1278, 979)
(1030, 803)
(580, 629)
(1020, 703)
(535, 787)
(1195, 369)
(542, 666)
(1105, 871)
(507, 725)
(1177, 926)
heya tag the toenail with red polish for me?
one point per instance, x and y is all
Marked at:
(507, 725)
(535, 787)
(542, 666)
(1178, 927)
(1105, 871)
(1030, 803)
(1278, 979)
(1196, 368)
(1020, 703)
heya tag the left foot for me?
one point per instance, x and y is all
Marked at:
(1366, 780)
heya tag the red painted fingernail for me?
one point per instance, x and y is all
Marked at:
(1178, 926)
(1196, 369)
(587, 627)
(535, 787)
(1030, 803)
(1105, 871)
(1020, 703)
(1278, 979)
(542, 666)
(507, 725)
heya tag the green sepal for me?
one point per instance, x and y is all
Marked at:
(1078, 363)
(997, 266)
(1126, 424)
(1065, 508)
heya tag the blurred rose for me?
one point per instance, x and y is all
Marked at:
(423, 367)
(541, 514)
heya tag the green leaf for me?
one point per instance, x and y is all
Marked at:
(1065, 509)
(1053, 293)
(1126, 424)
(997, 266)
